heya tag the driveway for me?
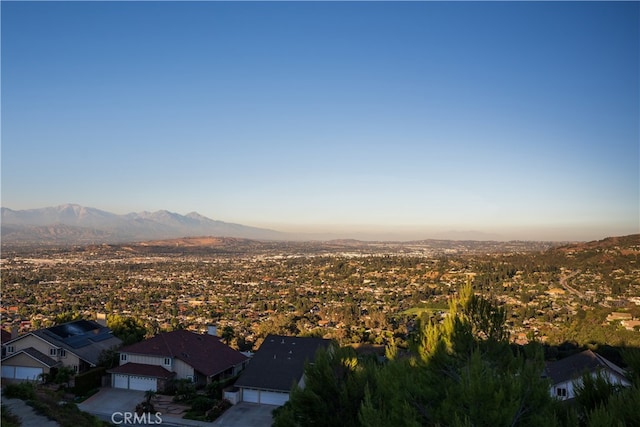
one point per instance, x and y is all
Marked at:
(110, 400)
(246, 414)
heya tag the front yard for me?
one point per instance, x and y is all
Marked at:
(53, 404)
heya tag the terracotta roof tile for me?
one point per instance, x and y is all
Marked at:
(205, 353)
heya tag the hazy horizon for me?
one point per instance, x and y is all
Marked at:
(380, 232)
(517, 120)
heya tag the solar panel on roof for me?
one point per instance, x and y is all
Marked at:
(77, 342)
(78, 327)
(50, 334)
(100, 337)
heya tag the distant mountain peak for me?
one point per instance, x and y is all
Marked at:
(196, 215)
(83, 224)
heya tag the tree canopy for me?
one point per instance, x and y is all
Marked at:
(460, 371)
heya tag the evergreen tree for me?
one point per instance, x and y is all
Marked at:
(461, 372)
(334, 388)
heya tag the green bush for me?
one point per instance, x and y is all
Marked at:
(202, 404)
(215, 388)
(88, 381)
(23, 391)
(66, 415)
(185, 391)
(9, 419)
(217, 410)
(41, 408)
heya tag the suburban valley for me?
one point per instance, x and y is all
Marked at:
(353, 292)
(374, 298)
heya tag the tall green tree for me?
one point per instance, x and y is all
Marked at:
(128, 329)
(334, 388)
(461, 371)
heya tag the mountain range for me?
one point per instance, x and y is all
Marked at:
(70, 223)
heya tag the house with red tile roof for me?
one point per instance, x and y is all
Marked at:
(180, 354)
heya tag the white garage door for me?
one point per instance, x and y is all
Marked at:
(21, 372)
(142, 383)
(8, 371)
(273, 398)
(250, 396)
(120, 381)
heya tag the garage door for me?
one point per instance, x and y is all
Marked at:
(250, 396)
(21, 372)
(273, 398)
(8, 371)
(25, 373)
(142, 383)
(120, 381)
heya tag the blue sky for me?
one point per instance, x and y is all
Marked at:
(400, 119)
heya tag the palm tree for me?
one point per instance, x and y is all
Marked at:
(227, 334)
(148, 395)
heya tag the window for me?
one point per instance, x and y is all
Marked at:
(167, 361)
(190, 378)
(123, 357)
(75, 368)
(62, 352)
(561, 392)
(10, 349)
(53, 352)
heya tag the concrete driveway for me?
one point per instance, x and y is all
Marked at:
(246, 414)
(110, 400)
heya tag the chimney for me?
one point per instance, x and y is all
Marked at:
(212, 330)
(14, 331)
(101, 319)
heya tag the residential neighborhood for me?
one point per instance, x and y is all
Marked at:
(195, 323)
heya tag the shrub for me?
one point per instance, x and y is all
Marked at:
(217, 410)
(185, 391)
(23, 391)
(202, 404)
(215, 388)
(88, 381)
(9, 419)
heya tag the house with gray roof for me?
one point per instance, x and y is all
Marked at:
(566, 374)
(77, 345)
(277, 365)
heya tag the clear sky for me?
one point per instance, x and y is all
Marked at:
(517, 119)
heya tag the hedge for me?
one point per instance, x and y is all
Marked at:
(89, 380)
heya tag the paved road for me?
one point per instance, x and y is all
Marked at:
(563, 283)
